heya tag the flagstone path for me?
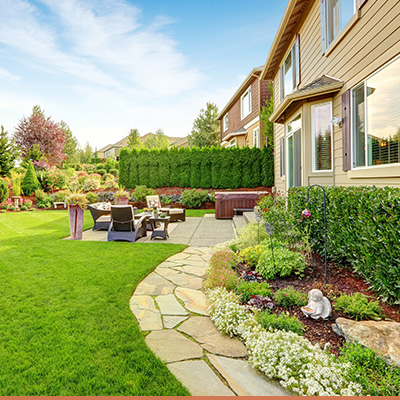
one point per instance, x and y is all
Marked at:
(170, 305)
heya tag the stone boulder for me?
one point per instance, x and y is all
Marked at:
(381, 336)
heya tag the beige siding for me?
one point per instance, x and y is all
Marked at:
(370, 41)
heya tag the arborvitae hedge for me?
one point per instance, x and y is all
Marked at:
(4, 192)
(203, 168)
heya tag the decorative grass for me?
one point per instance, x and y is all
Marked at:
(65, 324)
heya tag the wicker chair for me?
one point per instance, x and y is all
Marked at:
(101, 216)
(175, 214)
(123, 225)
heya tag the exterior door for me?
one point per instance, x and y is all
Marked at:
(293, 132)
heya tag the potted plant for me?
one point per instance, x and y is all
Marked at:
(76, 204)
(121, 197)
(16, 188)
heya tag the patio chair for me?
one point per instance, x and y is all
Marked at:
(175, 214)
(101, 215)
(123, 225)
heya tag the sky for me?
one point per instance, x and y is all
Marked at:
(108, 66)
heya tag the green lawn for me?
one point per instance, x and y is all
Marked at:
(65, 324)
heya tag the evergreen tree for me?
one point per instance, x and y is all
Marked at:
(30, 182)
(71, 146)
(158, 141)
(86, 154)
(205, 131)
(134, 141)
(265, 113)
(8, 153)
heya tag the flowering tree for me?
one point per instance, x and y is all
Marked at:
(43, 132)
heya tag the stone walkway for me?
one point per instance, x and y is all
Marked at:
(170, 306)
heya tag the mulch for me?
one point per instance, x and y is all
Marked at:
(340, 279)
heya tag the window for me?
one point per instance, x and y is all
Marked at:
(256, 137)
(245, 103)
(321, 116)
(232, 143)
(335, 14)
(376, 118)
(282, 156)
(226, 122)
(289, 73)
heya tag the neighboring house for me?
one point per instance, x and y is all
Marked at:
(113, 150)
(240, 123)
(336, 71)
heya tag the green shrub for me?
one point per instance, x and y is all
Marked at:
(92, 197)
(60, 195)
(23, 208)
(43, 200)
(30, 183)
(142, 191)
(113, 171)
(220, 270)
(194, 198)
(5, 206)
(90, 184)
(2, 211)
(251, 255)
(28, 203)
(289, 297)
(370, 371)
(107, 177)
(280, 263)
(357, 306)
(110, 185)
(245, 290)
(89, 168)
(283, 322)
(248, 236)
(12, 208)
(4, 192)
(101, 171)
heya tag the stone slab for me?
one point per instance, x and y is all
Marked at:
(171, 321)
(169, 305)
(146, 313)
(195, 300)
(171, 346)
(243, 379)
(203, 330)
(154, 285)
(180, 278)
(178, 257)
(198, 271)
(199, 378)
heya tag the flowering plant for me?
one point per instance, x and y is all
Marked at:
(121, 192)
(76, 198)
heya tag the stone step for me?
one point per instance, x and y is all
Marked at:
(238, 222)
(249, 217)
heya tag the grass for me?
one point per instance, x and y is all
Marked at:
(65, 324)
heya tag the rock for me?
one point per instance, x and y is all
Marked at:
(381, 336)
(180, 278)
(146, 313)
(192, 270)
(199, 378)
(195, 301)
(203, 330)
(170, 321)
(178, 257)
(169, 305)
(243, 379)
(154, 285)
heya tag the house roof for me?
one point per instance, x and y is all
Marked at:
(255, 72)
(319, 87)
(286, 31)
(105, 148)
(239, 132)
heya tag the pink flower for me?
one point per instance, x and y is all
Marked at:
(284, 294)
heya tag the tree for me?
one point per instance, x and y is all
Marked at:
(158, 141)
(30, 182)
(134, 141)
(205, 131)
(265, 113)
(8, 153)
(42, 131)
(71, 146)
(86, 154)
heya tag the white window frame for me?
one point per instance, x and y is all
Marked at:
(256, 137)
(226, 122)
(244, 112)
(363, 83)
(313, 138)
(232, 143)
(283, 156)
(294, 52)
(287, 137)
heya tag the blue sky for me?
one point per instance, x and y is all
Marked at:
(106, 66)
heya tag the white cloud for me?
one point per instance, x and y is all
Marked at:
(8, 76)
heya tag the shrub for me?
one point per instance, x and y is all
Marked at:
(142, 191)
(89, 168)
(107, 177)
(370, 371)
(28, 203)
(60, 195)
(248, 236)
(194, 198)
(282, 322)
(16, 183)
(30, 182)
(289, 297)
(92, 197)
(5, 206)
(260, 303)
(90, 184)
(43, 200)
(282, 263)
(220, 272)
(113, 171)
(101, 171)
(2, 211)
(4, 192)
(357, 306)
(246, 290)
(23, 208)
(12, 208)
(74, 183)
(251, 255)
(105, 196)
(110, 185)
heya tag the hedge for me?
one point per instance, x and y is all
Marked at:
(215, 167)
(363, 225)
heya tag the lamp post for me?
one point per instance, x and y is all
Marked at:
(307, 214)
(269, 228)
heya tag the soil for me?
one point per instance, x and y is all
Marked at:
(340, 279)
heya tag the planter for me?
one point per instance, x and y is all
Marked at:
(121, 201)
(75, 222)
(16, 200)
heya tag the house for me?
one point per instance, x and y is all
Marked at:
(240, 123)
(336, 71)
(100, 153)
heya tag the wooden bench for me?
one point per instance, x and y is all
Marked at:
(59, 203)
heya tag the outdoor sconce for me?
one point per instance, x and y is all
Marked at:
(336, 121)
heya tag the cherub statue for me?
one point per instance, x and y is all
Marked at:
(318, 305)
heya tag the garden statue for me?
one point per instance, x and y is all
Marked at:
(318, 305)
